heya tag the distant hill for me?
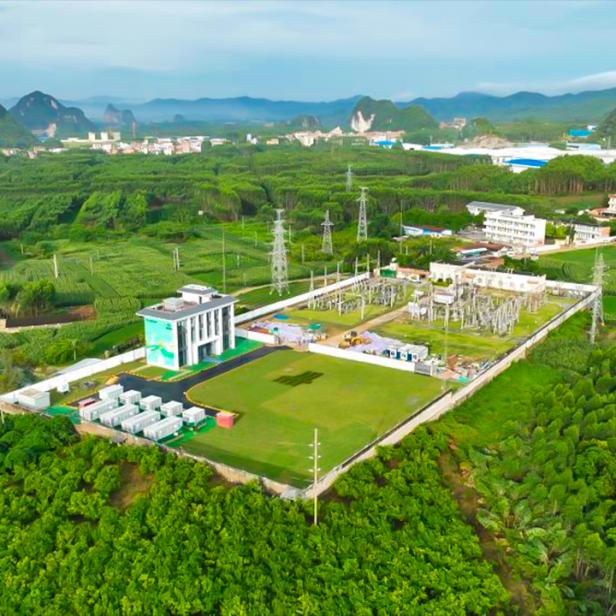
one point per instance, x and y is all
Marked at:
(244, 109)
(118, 117)
(13, 134)
(37, 111)
(607, 128)
(370, 114)
(305, 122)
(588, 106)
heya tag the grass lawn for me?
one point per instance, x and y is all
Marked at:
(117, 336)
(263, 296)
(469, 343)
(332, 322)
(576, 265)
(350, 403)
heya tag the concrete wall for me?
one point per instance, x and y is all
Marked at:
(75, 375)
(450, 400)
(297, 299)
(257, 336)
(375, 360)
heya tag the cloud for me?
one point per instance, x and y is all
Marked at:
(595, 81)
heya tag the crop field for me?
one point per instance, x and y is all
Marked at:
(282, 397)
(474, 345)
(577, 265)
(144, 268)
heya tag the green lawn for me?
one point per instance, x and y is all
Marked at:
(470, 343)
(350, 403)
(263, 296)
(117, 336)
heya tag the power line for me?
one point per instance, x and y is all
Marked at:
(362, 222)
(327, 225)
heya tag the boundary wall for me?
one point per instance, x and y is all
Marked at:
(365, 358)
(298, 299)
(60, 380)
(450, 400)
(256, 336)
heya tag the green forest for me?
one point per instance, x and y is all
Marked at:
(501, 507)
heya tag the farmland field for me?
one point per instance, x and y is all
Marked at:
(282, 397)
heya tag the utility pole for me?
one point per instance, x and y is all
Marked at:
(327, 225)
(303, 254)
(56, 273)
(311, 280)
(362, 222)
(255, 239)
(597, 307)
(315, 475)
(91, 265)
(349, 178)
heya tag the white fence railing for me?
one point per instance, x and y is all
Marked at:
(298, 299)
(256, 336)
(375, 360)
(63, 379)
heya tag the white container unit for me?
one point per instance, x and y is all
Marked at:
(168, 409)
(193, 415)
(111, 392)
(115, 417)
(132, 396)
(150, 403)
(96, 409)
(163, 428)
(33, 399)
(137, 423)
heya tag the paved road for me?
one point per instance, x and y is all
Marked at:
(176, 390)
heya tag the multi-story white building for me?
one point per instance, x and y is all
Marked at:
(590, 233)
(611, 205)
(183, 331)
(523, 230)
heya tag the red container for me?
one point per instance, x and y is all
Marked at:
(86, 402)
(224, 419)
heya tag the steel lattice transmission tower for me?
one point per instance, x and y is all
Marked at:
(597, 307)
(362, 222)
(327, 225)
(280, 274)
(349, 178)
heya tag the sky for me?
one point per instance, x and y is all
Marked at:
(319, 50)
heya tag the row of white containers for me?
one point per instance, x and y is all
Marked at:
(135, 414)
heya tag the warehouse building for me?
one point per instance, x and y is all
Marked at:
(184, 331)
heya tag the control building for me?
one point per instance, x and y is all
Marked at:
(184, 331)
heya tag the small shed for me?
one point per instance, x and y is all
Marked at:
(163, 428)
(132, 396)
(168, 409)
(115, 417)
(224, 419)
(137, 423)
(193, 416)
(111, 392)
(150, 403)
(33, 399)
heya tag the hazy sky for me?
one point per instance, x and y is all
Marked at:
(304, 50)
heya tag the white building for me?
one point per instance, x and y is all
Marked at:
(184, 331)
(611, 205)
(590, 233)
(462, 274)
(483, 207)
(522, 230)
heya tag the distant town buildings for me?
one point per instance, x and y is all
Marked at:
(425, 231)
(457, 123)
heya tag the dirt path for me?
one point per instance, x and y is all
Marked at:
(371, 324)
(469, 502)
